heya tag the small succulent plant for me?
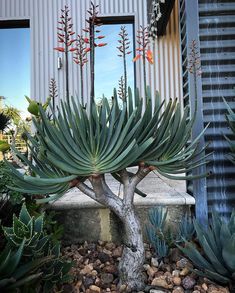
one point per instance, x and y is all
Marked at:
(15, 274)
(37, 246)
(156, 231)
(30, 230)
(216, 257)
(163, 237)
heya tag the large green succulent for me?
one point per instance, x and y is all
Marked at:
(107, 138)
(217, 259)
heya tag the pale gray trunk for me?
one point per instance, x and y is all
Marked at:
(132, 260)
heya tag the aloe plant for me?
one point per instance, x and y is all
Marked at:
(216, 258)
(30, 230)
(37, 246)
(161, 236)
(14, 274)
(85, 144)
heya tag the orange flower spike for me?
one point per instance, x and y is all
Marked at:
(149, 56)
(137, 57)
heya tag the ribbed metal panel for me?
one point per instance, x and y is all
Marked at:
(166, 69)
(216, 29)
(217, 46)
(43, 17)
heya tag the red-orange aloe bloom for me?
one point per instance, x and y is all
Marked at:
(65, 32)
(149, 56)
(136, 57)
(143, 42)
(102, 44)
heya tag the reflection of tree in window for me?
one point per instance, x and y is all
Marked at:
(15, 67)
(109, 61)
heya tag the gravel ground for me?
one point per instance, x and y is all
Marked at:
(95, 270)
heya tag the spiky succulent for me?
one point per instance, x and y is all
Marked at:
(186, 228)
(216, 260)
(14, 274)
(161, 236)
(37, 246)
(156, 231)
(30, 230)
(106, 139)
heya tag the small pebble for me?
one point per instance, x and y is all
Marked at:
(177, 281)
(154, 262)
(178, 289)
(94, 289)
(204, 286)
(96, 271)
(188, 282)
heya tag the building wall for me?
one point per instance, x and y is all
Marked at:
(211, 23)
(43, 15)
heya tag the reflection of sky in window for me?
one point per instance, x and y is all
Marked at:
(108, 66)
(15, 67)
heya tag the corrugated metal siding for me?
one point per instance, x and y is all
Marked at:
(43, 16)
(217, 47)
(192, 93)
(166, 70)
(216, 30)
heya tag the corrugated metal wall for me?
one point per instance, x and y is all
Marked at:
(43, 16)
(215, 27)
(167, 67)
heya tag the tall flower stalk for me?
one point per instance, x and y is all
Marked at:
(194, 67)
(80, 58)
(93, 22)
(123, 52)
(53, 92)
(65, 39)
(121, 89)
(143, 52)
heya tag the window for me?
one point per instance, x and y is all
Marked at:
(108, 65)
(15, 64)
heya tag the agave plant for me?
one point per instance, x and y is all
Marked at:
(85, 144)
(217, 259)
(231, 121)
